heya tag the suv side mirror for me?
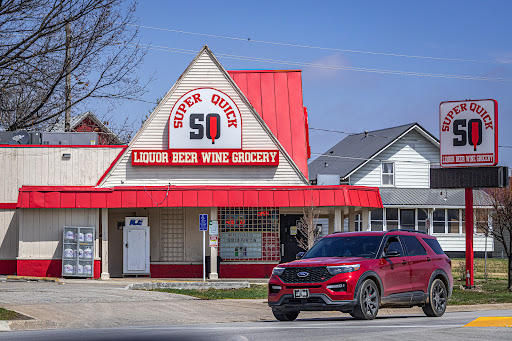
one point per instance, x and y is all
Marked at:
(392, 253)
(299, 255)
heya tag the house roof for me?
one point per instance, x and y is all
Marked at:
(77, 119)
(355, 150)
(430, 197)
(276, 95)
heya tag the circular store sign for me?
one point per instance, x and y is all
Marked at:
(468, 133)
(205, 118)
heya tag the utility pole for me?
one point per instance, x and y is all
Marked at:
(67, 92)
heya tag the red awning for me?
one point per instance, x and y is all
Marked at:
(197, 196)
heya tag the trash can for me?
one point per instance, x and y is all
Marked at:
(208, 264)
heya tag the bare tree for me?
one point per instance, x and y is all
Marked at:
(103, 57)
(500, 199)
(307, 232)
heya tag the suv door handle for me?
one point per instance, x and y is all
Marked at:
(428, 259)
(404, 262)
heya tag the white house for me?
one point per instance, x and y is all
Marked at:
(398, 161)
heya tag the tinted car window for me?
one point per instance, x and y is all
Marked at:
(360, 246)
(413, 245)
(434, 245)
(393, 243)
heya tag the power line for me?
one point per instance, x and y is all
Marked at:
(325, 48)
(324, 66)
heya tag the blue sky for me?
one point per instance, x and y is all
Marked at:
(349, 101)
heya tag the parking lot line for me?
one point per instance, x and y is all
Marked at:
(491, 321)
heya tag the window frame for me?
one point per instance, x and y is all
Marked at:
(382, 173)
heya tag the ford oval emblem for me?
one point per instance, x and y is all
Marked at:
(303, 274)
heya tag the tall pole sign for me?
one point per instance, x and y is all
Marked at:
(468, 135)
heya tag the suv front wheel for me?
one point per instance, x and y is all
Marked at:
(437, 298)
(367, 301)
(283, 315)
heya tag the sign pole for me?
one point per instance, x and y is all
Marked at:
(469, 237)
(204, 258)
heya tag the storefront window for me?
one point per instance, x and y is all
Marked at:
(376, 220)
(422, 219)
(391, 218)
(249, 234)
(439, 220)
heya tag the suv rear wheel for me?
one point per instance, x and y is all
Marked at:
(367, 301)
(436, 304)
(283, 315)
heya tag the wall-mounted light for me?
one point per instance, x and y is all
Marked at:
(66, 156)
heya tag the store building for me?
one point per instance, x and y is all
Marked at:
(232, 145)
(398, 161)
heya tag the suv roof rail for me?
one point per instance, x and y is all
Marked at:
(408, 230)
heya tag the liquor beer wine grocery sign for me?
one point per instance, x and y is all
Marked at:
(469, 133)
(205, 129)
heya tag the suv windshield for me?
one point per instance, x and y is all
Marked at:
(356, 246)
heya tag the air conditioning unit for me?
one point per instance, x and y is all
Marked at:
(20, 137)
(76, 139)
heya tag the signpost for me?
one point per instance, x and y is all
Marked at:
(203, 226)
(468, 136)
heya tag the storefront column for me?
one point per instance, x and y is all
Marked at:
(351, 219)
(365, 215)
(214, 251)
(331, 223)
(338, 219)
(104, 244)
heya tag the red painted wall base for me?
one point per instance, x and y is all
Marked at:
(226, 270)
(53, 268)
(8, 267)
(47, 268)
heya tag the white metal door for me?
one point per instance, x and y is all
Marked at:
(136, 250)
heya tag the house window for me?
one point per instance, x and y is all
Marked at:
(481, 220)
(453, 220)
(388, 174)
(377, 222)
(391, 218)
(439, 220)
(422, 220)
(408, 219)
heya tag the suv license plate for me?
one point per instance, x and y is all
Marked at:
(300, 293)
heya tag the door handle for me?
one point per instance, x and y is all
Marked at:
(404, 262)
(428, 259)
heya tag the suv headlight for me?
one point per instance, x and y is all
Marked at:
(334, 270)
(277, 271)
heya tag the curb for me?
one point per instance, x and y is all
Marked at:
(4, 326)
(31, 278)
(187, 285)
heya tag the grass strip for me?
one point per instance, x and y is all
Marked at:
(493, 291)
(10, 315)
(255, 291)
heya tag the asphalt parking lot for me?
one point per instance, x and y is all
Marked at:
(107, 304)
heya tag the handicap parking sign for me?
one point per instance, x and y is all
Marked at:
(203, 222)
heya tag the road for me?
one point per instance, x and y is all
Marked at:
(398, 327)
(95, 310)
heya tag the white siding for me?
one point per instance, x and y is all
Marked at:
(40, 166)
(8, 234)
(40, 230)
(155, 135)
(412, 155)
(458, 242)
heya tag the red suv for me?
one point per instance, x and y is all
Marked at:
(360, 272)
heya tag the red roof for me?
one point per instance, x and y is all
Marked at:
(277, 97)
(200, 196)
